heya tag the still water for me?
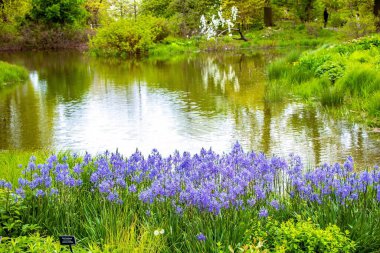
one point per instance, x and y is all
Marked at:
(80, 103)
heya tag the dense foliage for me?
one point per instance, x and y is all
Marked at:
(127, 37)
(68, 12)
(335, 74)
(301, 236)
(201, 203)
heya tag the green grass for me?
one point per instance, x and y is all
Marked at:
(344, 76)
(10, 161)
(11, 74)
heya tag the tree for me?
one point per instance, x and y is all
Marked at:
(59, 12)
(304, 10)
(219, 25)
(124, 8)
(157, 8)
(250, 11)
(268, 16)
(13, 11)
(98, 10)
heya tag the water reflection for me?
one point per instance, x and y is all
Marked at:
(80, 103)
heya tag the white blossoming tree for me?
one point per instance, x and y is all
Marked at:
(218, 25)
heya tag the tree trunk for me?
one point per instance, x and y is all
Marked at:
(376, 8)
(268, 16)
(135, 9)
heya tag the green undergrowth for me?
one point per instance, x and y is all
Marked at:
(298, 236)
(343, 77)
(11, 74)
(154, 40)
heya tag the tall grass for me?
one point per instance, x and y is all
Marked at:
(342, 74)
(11, 74)
(12, 162)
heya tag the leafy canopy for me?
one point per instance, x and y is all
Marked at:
(62, 12)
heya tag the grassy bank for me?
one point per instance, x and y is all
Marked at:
(11, 74)
(344, 77)
(119, 41)
(234, 202)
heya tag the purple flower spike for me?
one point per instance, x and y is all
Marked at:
(40, 193)
(275, 204)
(263, 213)
(132, 188)
(201, 237)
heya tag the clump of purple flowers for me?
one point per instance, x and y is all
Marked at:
(263, 213)
(208, 182)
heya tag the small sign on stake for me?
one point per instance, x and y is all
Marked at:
(67, 240)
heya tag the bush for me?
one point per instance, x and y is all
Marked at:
(34, 243)
(302, 236)
(126, 37)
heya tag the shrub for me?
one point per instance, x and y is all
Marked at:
(34, 243)
(126, 37)
(302, 236)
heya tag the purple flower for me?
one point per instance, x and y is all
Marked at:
(275, 204)
(5, 184)
(201, 237)
(20, 192)
(53, 191)
(87, 158)
(263, 213)
(40, 193)
(112, 197)
(132, 188)
(251, 202)
(178, 210)
(52, 159)
(77, 168)
(349, 164)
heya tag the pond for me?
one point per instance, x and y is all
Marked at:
(80, 103)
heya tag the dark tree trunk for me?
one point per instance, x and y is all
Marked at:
(268, 16)
(242, 37)
(376, 8)
(308, 10)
